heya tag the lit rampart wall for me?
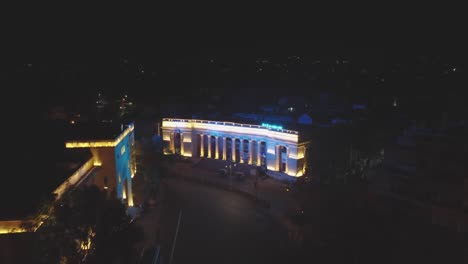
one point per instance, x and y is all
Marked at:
(116, 162)
(74, 178)
(11, 226)
(104, 151)
(100, 143)
(15, 226)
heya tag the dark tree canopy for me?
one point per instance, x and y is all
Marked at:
(86, 227)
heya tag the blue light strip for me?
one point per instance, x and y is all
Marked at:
(271, 126)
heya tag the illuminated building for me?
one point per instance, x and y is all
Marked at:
(279, 150)
(53, 173)
(116, 161)
(106, 163)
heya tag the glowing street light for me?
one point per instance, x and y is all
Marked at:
(229, 167)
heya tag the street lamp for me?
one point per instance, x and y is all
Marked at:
(229, 167)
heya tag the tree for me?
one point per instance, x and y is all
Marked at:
(86, 227)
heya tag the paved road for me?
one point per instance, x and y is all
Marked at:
(218, 227)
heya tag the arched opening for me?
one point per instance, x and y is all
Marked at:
(236, 150)
(124, 191)
(129, 191)
(220, 148)
(283, 158)
(254, 152)
(198, 145)
(262, 154)
(212, 147)
(245, 151)
(177, 142)
(229, 149)
(205, 146)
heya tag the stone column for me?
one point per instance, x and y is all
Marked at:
(241, 151)
(259, 154)
(182, 144)
(224, 148)
(217, 147)
(172, 144)
(233, 148)
(277, 157)
(129, 192)
(251, 151)
(202, 148)
(209, 146)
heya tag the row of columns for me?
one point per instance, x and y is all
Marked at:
(273, 160)
(251, 147)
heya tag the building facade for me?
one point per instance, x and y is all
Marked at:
(276, 149)
(111, 168)
(116, 161)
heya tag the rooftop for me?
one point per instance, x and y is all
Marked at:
(83, 137)
(264, 129)
(38, 165)
(256, 120)
(93, 131)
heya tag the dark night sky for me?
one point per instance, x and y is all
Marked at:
(100, 70)
(102, 67)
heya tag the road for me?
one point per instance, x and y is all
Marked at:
(218, 226)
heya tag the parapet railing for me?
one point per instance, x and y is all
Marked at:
(228, 124)
(74, 178)
(99, 143)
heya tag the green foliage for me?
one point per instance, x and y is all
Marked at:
(86, 227)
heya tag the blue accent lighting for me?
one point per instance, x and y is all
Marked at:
(271, 126)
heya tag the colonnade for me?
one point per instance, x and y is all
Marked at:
(231, 148)
(278, 150)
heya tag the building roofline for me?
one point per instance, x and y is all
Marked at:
(100, 143)
(231, 124)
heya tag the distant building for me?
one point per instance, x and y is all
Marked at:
(173, 109)
(56, 113)
(340, 121)
(292, 104)
(269, 108)
(359, 107)
(429, 166)
(305, 119)
(267, 118)
(281, 151)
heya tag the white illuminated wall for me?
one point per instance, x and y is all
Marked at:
(190, 141)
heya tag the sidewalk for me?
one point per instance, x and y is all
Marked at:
(150, 221)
